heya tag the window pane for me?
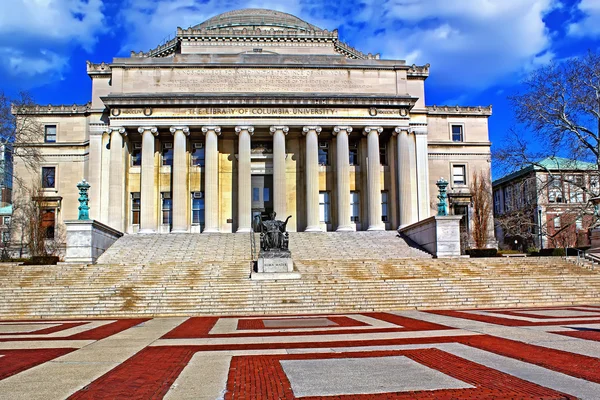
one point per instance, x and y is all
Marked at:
(266, 194)
(353, 156)
(167, 156)
(323, 156)
(198, 157)
(382, 156)
(50, 134)
(457, 133)
(48, 177)
(136, 157)
(458, 174)
(255, 194)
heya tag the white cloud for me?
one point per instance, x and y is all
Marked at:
(151, 22)
(590, 24)
(37, 36)
(471, 44)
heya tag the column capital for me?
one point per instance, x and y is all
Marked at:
(369, 129)
(214, 128)
(240, 128)
(400, 129)
(184, 129)
(315, 128)
(276, 128)
(418, 129)
(112, 129)
(338, 128)
(152, 129)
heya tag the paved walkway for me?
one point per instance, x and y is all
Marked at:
(525, 353)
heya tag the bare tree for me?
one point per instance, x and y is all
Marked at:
(481, 197)
(559, 108)
(21, 129)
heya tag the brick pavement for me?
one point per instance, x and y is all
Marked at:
(525, 353)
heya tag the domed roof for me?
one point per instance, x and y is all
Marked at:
(256, 17)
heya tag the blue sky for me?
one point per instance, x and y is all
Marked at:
(479, 50)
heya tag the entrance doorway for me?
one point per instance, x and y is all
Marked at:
(262, 196)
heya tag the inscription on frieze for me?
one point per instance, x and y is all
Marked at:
(250, 80)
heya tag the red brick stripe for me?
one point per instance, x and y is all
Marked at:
(263, 378)
(505, 321)
(409, 324)
(196, 327)
(576, 365)
(14, 361)
(587, 335)
(147, 375)
(259, 323)
(105, 331)
(52, 329)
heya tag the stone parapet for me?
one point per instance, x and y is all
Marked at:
(438, 235)
(87, 240)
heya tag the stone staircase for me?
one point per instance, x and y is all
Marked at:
(187, 274)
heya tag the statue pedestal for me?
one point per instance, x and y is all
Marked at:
(275, 264)
(274, 261)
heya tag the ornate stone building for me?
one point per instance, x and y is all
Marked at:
(255, 111)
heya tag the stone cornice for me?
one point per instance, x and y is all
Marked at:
(98, 69)
(169, 99)
(459, 110)
(418, 71)
(62, 109)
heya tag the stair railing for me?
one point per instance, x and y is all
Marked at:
(253, 252)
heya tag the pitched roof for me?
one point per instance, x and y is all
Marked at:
(549, 163)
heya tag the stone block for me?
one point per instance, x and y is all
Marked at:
(439, 235)
(87, 240)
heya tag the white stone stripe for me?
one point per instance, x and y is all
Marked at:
(45, 344)
(311, 338)
(528, 319)
(204, 378)
(67, 332)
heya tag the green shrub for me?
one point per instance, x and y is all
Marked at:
(510, 252)
(532, 250)
(558, 252)
(477, 253)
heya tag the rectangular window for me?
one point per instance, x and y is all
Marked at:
(353, 153)
(579, 224)
(167, 207)
(457, 133)
(6, 237)
(557, 221)
(50, 134)
(555, 191)
(323, 153)
(354, 206)
(497, 202)
(382, 155)
(508, 198)
(458, 175)
(384, 206)
(576, 189)
(135, 208)
(198, 154)
(266, 195)
(136, 155)
(198, 208)
(48, 177)
(48, 222)
(324, 206)
(6, 220)
(167, 154)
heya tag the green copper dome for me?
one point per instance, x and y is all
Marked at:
(256, 17)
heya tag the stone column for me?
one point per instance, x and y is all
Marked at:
(312, 178)
(279, 181)
(422, 162)
(116, 185)
(343, 178)
(374, 178)
(244, 178)
(147, 184)
(407, 177)
(211, 179)
(179, 172)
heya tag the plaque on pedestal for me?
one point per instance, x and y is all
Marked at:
(274, 259)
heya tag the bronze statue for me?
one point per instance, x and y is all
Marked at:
(273, 235)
